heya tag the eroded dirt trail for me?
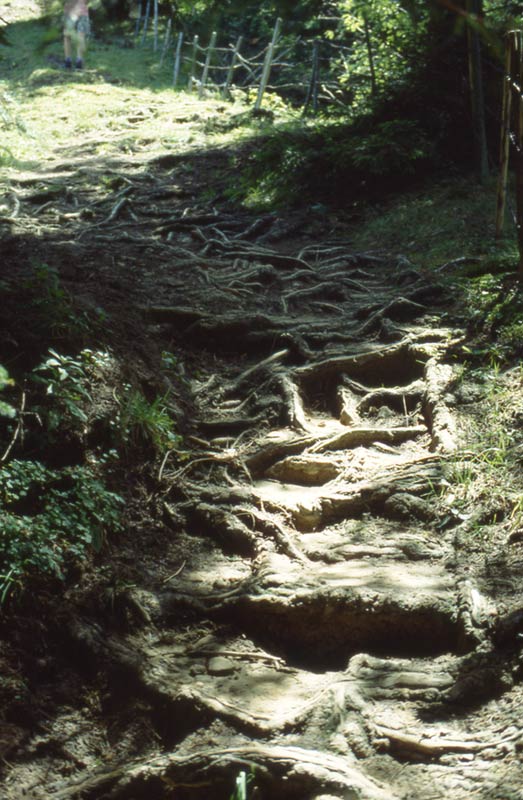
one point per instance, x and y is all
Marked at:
(308, 615)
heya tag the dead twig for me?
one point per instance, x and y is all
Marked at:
(175, 574)
(162, 466)
(17, 431)
(120, 203)
(249, 655)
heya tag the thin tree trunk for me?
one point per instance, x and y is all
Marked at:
(475, 10)
(504, 145)
(312, 93)
(518, 70)
(370, 54)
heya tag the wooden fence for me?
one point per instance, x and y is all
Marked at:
(302, 70)
(512, 135)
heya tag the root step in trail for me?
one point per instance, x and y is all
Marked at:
(336, 602)
(346, 618)
(309, 618)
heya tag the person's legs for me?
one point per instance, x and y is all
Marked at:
(68, 41)
(81, 45)
(68, 50)
(82, 32)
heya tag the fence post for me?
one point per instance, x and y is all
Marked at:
(232, 67)
(504, 147)
(205, 73)
(155, 26)
(138, 18)
(166, 41)
(177, 59)
(146, 20)
(193, 62)
(267, 65)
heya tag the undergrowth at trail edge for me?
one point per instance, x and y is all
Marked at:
(50, 520)
(332, 162)
(484, 487)
(67, 426)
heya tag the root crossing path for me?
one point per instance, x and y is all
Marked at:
(300, 607)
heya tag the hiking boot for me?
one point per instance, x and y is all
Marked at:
(79, 63)
(68, 64)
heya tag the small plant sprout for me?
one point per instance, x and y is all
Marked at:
(243, 781)
(146, 424)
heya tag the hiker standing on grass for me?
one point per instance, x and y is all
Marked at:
(76, 31)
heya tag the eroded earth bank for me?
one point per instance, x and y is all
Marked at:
(294, 595)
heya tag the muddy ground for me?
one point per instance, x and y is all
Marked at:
(294, 595)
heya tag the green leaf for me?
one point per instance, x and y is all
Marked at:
(5, 380)
(6, 410)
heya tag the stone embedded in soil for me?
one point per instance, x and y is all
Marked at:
(220, 666)
(404, 506)
(304, 470)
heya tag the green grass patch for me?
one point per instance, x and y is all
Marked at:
(123, 100)
(438, 224)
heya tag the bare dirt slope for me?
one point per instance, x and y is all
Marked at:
(296, 597)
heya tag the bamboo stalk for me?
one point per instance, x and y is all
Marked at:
(316, 82)
(474, 12)
(267, 65)
(370, 56)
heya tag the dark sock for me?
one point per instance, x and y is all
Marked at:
(79, 63)
(68, 63)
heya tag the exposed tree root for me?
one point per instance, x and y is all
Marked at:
(208, 772)
(438, 378)
(363, 437)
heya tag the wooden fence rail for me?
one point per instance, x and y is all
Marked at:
(220, 69)
(512, 134)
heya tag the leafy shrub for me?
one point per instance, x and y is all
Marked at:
(55, 315)
(69, 401)
(72, 403)
(394, 146)
(49, 518)
(332, 163)
(65, 379)
(49, 300)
